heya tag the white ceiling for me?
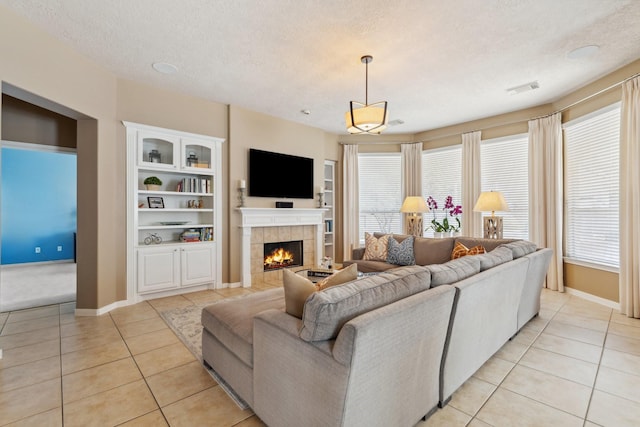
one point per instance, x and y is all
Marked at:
(436, 62)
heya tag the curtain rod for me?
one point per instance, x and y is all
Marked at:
(512, 122)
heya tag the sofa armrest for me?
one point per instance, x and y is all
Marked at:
(357, 253)
(291, 376)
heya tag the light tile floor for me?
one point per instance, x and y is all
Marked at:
(578, 363)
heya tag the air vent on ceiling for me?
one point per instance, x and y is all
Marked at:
(523, 88)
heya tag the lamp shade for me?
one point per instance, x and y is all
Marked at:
(414, 204)
(491, 201)
(366, 118)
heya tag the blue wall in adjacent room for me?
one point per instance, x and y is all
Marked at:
(38, 205)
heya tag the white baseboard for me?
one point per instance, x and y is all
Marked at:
(603, 301)
(102, 310)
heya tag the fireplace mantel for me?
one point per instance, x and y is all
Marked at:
(275, 217)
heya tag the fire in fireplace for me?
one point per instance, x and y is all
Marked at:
(282, 255)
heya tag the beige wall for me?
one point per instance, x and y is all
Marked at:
(40, 64)
(25, 122)
(248, 129)
(141, 103)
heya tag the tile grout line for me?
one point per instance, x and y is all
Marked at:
(513, 367)
(140, 371)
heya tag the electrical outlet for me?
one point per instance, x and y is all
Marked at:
(59, 248)
(37, 249)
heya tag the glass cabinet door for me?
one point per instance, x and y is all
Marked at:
(197, 155)
(157, 150)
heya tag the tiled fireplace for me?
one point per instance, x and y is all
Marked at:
(264, 226)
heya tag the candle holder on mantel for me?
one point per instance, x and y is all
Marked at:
(242, 194)
(320, 199)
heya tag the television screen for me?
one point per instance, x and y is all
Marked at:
(280, 175)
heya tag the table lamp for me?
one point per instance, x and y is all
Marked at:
(414, 206)
(491, 201)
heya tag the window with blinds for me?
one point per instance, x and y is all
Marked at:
(441, 177)
(380, 195)
(504, 167)
(591, 173)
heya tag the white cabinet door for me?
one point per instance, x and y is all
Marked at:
(158, 150)
(198, 265)
(158, 269)
(197, 156)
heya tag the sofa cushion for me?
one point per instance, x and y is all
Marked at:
(325, 312)
(375, 248)
(520, 248)
(432, 251)
(454, 270)
(461, 250)
(489, 244)
(231, 321)
(498, 256)
(401, 253)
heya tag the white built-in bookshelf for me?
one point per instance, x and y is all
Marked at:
(173, 231)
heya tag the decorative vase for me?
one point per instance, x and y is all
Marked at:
(439, 234)
(455, 234)
(152, 187)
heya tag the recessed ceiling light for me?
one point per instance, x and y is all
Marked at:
(165, 68)
(583, 52)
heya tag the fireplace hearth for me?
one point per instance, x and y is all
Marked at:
(283, 255)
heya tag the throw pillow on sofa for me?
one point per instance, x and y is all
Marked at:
(375, 249)
(298, 288)
(345, 275)
(296, 291)
(401, 253)
(461, 250)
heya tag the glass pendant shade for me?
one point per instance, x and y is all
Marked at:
(363, 118)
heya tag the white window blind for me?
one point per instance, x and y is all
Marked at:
(504, 167)
(441, 177)
(591, 164)
(380, 193)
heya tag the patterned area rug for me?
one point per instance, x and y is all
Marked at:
(185, 322)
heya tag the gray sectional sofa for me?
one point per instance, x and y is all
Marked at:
(378, 351)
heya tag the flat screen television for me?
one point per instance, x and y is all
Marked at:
(280, 175)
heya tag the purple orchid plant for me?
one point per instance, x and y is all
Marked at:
(452, 210)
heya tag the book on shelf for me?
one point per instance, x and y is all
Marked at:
(194, 185)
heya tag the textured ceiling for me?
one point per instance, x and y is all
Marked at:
(436, 62)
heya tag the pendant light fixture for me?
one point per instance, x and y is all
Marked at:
(366, 118)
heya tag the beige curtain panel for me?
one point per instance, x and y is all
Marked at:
(411, 169)
(471, 183)
(545, 192)
(630, 199)
(350, 194)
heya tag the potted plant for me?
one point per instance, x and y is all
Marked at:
(445, 228)
(153, 183)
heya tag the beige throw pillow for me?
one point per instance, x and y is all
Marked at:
(298, 288)
(375, 249)
(296, 291)
(339, 277)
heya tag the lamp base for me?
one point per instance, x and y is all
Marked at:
(492, 227)
(414, 225)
